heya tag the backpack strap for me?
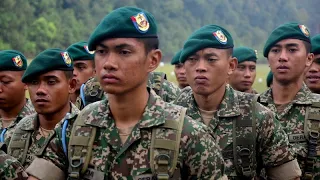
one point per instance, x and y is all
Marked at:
(244, 152)
(93, 94)
(19, 144)
(312, 133)
(164, 153)
(80, 148)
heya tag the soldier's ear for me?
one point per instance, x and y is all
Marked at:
(72, 85)
(233, 63)
(154, 58)
(310, 59)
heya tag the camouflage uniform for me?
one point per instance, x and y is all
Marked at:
(292, 119)
(26, 110)
(38, 142)
(254, 91)
(92, 90)
(272, 146)
(199, 157)
(10, 168)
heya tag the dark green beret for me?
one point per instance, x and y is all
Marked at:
(286, 31)
(269, 78)
(124, 22)
(79, 51)
(245, 54)
(11, 60)
(315, 43)
(176, 57)
(48, 60)
(210, 36)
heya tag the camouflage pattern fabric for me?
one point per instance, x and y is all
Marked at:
(10, 168)
(254, 91)
(272, 146)
(168, 90)
(27, 109)
(38, 142)
(199, 157)
(292, 119)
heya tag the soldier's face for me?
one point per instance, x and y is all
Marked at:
(312, 77)
(180, 73)
(49, 92)
(83, 70)
(288, 60)
(243, 77)
(208, 69)
(12, 90)
(122, 65)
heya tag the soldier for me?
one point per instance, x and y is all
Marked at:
(134, 134)
(248, 134)
(288, 52)
(312, 77)
(13, 103)
(244, 75)
(269, 79)
(49, 80)
(83, 63)
(179, 71)
(10, 168)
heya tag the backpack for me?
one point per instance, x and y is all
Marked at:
(162, 166)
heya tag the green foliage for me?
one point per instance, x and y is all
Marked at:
(32, 26)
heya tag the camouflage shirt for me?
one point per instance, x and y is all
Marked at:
(199, 156)
(25, 111)
(10, 168)
(93, 92)
(272, 146)
(38, 142)
(292, 119)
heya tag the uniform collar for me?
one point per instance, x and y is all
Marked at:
(101, 116)
(302, 97)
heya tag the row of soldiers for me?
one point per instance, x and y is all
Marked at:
(134, 124)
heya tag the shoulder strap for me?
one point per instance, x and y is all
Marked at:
(312, 133)
(19, 144)
(80, 148)
(244, 145)
(93, 94)
(164, 153)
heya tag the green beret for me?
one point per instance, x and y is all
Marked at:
(176, 57)
(11, 60)
(124, 22)
(245, 54)
(79, 51)
(210, 36)
(269, 78)
(315, 43)
(48, 60)
(286, 31)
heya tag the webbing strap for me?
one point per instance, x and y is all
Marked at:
(313, 134)
(244, 146)
(162, 165)
(80, 149)
(18, 146)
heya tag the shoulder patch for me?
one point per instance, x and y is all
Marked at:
(141, 22)
(66, 58)
(220, 37)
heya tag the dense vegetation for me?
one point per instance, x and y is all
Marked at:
(34, 25)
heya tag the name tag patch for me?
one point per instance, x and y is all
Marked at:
(296, 138)
(93, 174)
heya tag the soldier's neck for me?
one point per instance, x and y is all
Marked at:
(285, 93)
(8, 113)
(210, 102)
(74, 96)
(127, 109)
(48, 121)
